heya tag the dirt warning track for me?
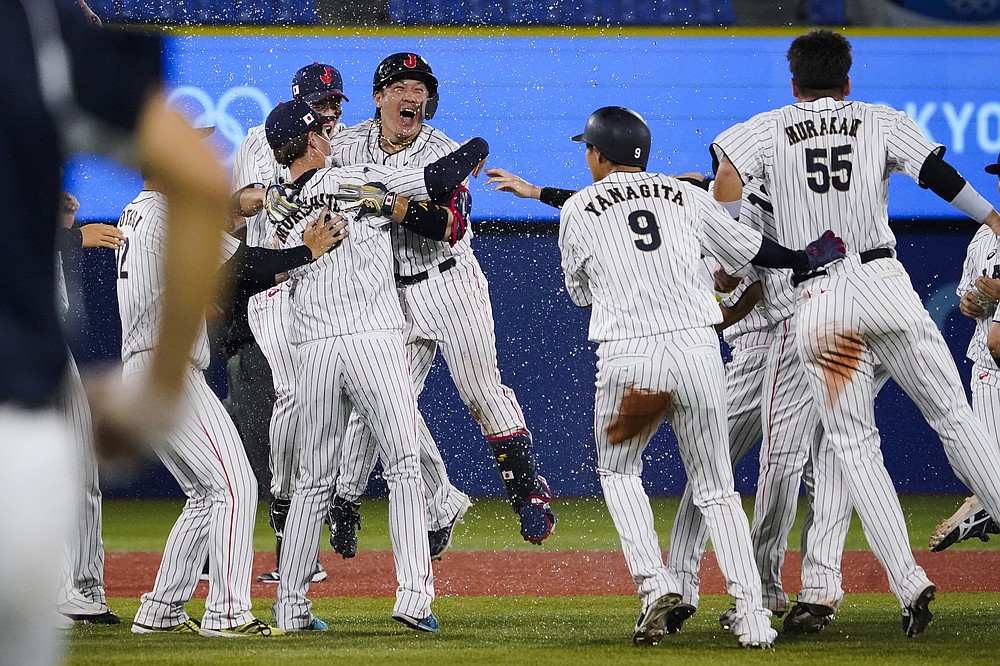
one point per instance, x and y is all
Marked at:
(553, 573)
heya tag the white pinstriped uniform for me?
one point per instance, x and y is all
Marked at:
(630, 247)
(269, 315)
(83, 567)
(347, 328)
(450, 311)
(982, 258)
(826, 164)
(204, 453)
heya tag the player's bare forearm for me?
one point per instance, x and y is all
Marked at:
(728, 184)
(190, 176)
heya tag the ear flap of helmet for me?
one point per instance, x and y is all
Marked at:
(429, 106)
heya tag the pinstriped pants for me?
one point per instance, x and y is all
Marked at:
(686, 365)
(204, 454)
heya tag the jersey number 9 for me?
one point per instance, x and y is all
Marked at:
(643, 223)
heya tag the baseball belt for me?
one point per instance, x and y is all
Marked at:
(866, 256)
(407, 280)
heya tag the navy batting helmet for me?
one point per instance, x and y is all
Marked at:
(620, 134)
(408, 66)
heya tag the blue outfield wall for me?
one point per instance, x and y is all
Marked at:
(527, 93)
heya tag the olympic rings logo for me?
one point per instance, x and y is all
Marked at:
(203, 111)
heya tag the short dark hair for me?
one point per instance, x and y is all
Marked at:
(820, 60)
(290, 151)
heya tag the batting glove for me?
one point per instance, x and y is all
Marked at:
(828, 247)
(460, 207)
(370, 198)
(280, 201)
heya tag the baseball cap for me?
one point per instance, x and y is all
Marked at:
(994, 168)
(316, 81)
(289, 120)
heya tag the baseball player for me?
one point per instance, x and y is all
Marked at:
(658, 356)
(824, 160)
(204, 453)
(254, 167)
(978, 291)
(347, 329)
(111, 96)
(446, 305)
(82, 597)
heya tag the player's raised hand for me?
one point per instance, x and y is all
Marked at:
(505, 181)
(102, 235)
(280, 201)
(324, 233)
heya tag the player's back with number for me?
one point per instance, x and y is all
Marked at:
(141, 279)
(640, 236)
(827, 164)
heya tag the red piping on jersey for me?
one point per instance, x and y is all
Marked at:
(770, 408)
(232, 520)
(500, 438)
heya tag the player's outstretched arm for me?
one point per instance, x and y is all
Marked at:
(505, 181)
(729, 187)
(943, 180)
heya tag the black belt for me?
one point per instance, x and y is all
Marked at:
(407, 280)
(866, 256)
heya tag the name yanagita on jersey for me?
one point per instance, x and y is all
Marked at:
(610, 196)
(806, 129)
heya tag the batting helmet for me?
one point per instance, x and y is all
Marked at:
(620, 134)
(408, 66)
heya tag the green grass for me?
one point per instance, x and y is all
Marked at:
(560, 630)
(556, 630)
(584, 524)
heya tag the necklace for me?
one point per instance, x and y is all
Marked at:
(398, 146)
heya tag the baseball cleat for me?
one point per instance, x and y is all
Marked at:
(537, 519)
(918, 614)
(650, 627)
(757, 645)
(345, 521)
(429, 624)
(315, 624)
(319, 574)
(107, 617)
(253, 629)
(269, 577)
(677, 616)
(440, 540)
(971, 520)
(190, 626)
(807, 618)
(727, 619)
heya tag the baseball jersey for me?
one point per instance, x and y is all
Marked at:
(631, 245)
(141, 278)
(826, 164)
(360, 145)
(254, 163)
(351, 289)
(980, 259)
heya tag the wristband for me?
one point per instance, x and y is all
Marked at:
(388, 204)
(972, 203)
(733, 208)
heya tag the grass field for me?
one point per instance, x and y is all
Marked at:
(547, 630)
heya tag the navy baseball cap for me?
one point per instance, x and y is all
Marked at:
(316, 81)
(289, 120)
(994, 168)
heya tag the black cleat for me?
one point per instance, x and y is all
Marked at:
(651, 625)
(807, 618)
(677, 616)
(918, 614)
(970, 521)
(345, 521)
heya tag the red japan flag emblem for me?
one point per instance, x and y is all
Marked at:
(308, 119)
